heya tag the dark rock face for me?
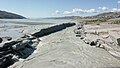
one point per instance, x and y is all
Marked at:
(8, 15)
(52, 29)
(1, 40)
(6, 61)
(11, 51)
(118, 40)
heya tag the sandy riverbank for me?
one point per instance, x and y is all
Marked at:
(64, 50)
(61, 49)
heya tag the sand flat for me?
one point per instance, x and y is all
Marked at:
(64, 50)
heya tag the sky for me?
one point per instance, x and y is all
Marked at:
(56, 8)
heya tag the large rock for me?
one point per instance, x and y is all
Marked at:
(26, 52)
(21, 48)
(52, 29)
(6, 61)
(118, 40)
(1, 40)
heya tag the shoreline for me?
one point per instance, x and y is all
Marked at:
(53, 44)
(64, 49)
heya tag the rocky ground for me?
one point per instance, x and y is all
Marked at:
(12, 50)
(106, 36)
(64, 50)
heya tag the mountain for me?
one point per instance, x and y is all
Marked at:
(109, 15)
(66, 17)
(8, 15)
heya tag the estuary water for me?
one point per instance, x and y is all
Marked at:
(11, 27)
(38, 21)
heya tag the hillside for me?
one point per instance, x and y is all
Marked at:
(109, 15)
(8, 15)
(66, 17)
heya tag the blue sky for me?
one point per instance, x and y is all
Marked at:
(51, 8)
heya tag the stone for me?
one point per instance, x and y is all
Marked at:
(26, 52)
(86, 40)
(8, 38)
(35, 42)
(18, 46)
(79, 31)
(6, 61)
(118, 40)
(93, 42)
(53, 29)
(21, 45)
(78, 35)
(1, 40)
(25, 36)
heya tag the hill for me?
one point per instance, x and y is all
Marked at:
(8, 15)
(109, 15)
(66, 17)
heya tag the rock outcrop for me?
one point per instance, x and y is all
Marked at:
(52, 29)
(64, 50)
(1, 40)
(23, 47)
(8, 15)
(100, 36)
(11, 51)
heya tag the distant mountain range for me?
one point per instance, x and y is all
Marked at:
(109, 15)
(8, 15)
(66, 17)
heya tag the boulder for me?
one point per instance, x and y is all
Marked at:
(6, 61)
(86, 40)
(1, 40)
(21, 45)
(118, 40)
(26, 52)
(35, 42)
(93, 42)
(9, 38)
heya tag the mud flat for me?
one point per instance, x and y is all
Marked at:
(64, 50)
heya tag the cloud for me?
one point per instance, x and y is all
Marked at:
(56, 12)
(104, 9)
(76, 10)
(115, 10)
(90, 11)
(79, 11)
(118, 2)
(67, 12)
